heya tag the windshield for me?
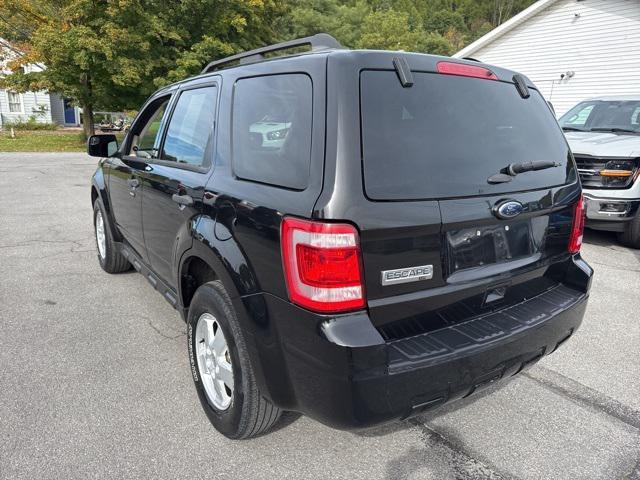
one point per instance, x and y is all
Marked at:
(618, 116)
(446, 135)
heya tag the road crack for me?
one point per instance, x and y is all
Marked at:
(164, 334)
(634, 474)
(463, 464)
(28, 243)
(581, 394)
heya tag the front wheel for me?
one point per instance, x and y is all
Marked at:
(111, 260)
(631, 235)
(221, 369)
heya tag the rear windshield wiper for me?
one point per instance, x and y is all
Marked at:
(513, 169)
(614, 130)
(573, 129)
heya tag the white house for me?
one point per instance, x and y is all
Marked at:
(571, 49)
(44, 107)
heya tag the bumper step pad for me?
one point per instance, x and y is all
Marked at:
(483, 330)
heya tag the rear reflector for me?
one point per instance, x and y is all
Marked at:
(322, 265)
(577, 228)
(451, 68)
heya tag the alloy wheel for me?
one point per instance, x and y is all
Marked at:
(214, 361)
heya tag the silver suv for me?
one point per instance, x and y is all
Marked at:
(604, 135)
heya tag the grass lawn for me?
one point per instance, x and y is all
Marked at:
(44, 141)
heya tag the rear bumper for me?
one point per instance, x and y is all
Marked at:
(341, 372)
(610, 212)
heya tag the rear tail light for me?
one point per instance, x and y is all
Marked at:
(463, 70)
(322, 265)
(577, 228)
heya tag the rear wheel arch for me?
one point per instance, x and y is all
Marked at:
(201, 264)
(194, 272)
(224, 260)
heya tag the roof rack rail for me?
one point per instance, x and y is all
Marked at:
(319, 41)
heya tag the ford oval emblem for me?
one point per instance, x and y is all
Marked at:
(507, 209)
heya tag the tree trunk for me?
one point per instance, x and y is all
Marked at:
(87, 106)
(87, 120)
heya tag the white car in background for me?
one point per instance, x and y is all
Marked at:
(272, 132)
(604, 136)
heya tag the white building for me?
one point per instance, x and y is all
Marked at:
(571, 49)
(44, 107)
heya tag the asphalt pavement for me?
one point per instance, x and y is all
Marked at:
(94, 377)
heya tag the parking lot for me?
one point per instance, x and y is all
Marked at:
(94, 377)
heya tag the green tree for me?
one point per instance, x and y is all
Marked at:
(437, 44)
(340, 19)
(444, 20)
(211, 29)
(111, 54)
(435, 26)
(94, 52)
(391, 30)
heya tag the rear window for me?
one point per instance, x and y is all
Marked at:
(272, 129)
(446, 135)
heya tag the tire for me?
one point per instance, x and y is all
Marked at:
(631, 235)
(109, 257)
(245, 413)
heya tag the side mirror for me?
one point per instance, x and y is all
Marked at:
(102, 145)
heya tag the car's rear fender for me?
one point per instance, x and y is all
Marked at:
(229, 264)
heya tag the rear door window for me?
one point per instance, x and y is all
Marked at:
(271, 129)
(444, 136)
(191, 127)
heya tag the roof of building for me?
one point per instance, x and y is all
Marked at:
(500, 30)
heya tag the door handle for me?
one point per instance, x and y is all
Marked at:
(133, 182)
(183, 200)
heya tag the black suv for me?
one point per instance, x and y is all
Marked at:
(359, 236)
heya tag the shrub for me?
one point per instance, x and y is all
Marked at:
(30, 124)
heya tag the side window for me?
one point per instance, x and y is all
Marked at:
(146, 140)
(580, 117)
(271, 131)
(635, 117)
(190, 127)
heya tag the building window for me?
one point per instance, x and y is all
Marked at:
(15, 102)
